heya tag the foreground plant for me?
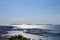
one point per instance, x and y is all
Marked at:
(17, 37)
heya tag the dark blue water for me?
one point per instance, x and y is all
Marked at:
(35, 37)
(56, 28)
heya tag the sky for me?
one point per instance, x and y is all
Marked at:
(30, 11)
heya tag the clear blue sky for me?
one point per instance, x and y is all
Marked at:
(30, 11)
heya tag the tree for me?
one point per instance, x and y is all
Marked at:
(17, 37)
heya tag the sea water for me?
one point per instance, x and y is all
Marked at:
(37, 37)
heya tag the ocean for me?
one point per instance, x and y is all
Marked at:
(56, 28)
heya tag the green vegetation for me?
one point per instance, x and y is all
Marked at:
(17, 37)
